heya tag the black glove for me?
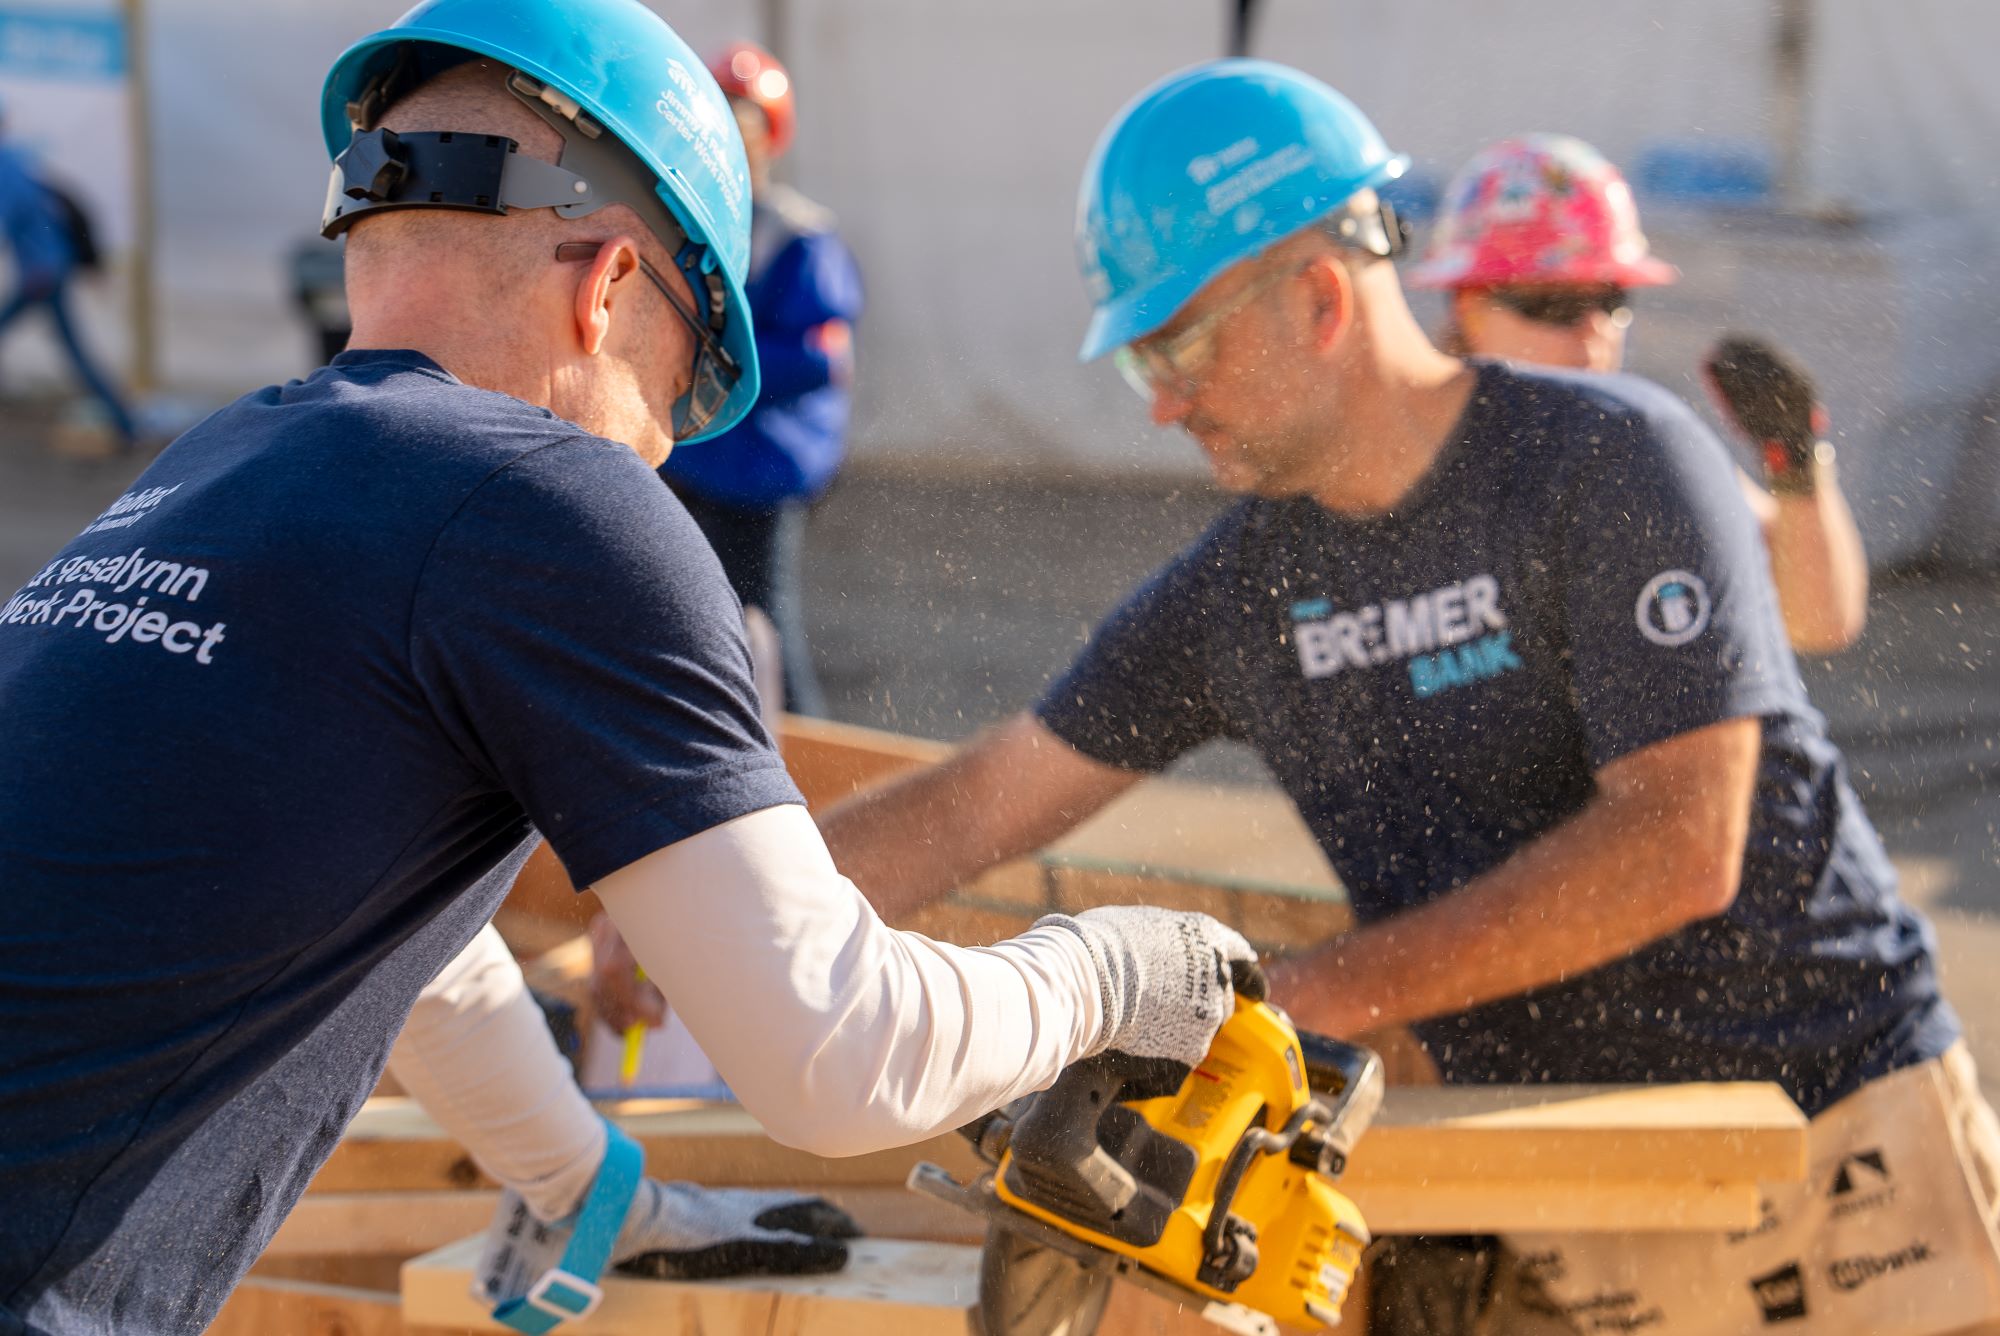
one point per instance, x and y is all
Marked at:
(1770, 399)
(696, 1233)
(677, 1231)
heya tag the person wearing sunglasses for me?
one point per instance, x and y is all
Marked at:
(1539, 250)
(286, 720)
(750, 491)
(1506, 639)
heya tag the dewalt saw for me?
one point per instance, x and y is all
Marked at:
(1213, 1186)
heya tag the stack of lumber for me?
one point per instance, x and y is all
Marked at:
(1439, 1160)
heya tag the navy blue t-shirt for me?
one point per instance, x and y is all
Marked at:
(1576, 578)
(283, 723)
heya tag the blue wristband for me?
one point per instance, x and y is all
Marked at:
(569, 1289)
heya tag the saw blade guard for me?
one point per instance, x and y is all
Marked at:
(1219, 1179)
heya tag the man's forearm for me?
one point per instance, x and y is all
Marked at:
(477, 1054)
(909, 841)
(1598, 887)
(1009, 792)
(1819, 567)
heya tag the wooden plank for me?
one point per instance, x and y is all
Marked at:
(267, 1307)
(1086, 887)
(365, 1224)
(1244, 833)
(360, 1271)
(1596, 1206)
(1669, 1153)
(908, 1289)
(1236, 832)
(830, 761)
(393, 1146)
(1136, 1312)
(337, 1224)
(1700, 1132)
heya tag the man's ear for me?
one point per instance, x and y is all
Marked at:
(616, 259)
(1332, 288)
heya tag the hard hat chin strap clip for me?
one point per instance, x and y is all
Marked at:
(381, 170)
(380, 92)
(1374, 229)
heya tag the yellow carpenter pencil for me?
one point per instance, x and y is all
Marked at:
(635, 1044)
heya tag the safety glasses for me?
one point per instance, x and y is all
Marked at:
(715, 372)
(1565, 307)
(1176, 363)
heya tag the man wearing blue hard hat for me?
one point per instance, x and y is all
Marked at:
(290, 715)
(1507, 638)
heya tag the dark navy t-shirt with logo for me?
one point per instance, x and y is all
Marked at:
(281, 725)
(1577, 577)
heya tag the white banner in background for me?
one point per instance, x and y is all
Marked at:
(65, 95)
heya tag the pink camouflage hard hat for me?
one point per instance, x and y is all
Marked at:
(1539, 208)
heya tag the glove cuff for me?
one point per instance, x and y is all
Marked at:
(1110, 994)
(1789, 472)
(569, 1289)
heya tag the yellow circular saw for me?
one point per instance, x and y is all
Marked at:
(1214, 1186)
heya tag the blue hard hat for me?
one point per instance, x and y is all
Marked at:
(621, 63)
(1208, 167)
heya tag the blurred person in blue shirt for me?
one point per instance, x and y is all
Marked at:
(37, 225)
(749, 488)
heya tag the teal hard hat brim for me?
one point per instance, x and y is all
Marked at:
(374, 54)
(1135, 314)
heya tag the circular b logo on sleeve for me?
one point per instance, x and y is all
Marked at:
(1673, 608)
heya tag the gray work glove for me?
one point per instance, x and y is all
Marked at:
(1164, 975)
(676, 1231)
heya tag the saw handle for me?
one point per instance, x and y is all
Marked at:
(1229, 1245)
(1057, 1144)
(1057, 1134)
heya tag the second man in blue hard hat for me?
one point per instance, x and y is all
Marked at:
(1507, 638)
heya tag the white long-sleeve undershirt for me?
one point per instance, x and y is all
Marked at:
(477, 1054)
(840, 1034)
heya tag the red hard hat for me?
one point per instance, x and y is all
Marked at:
(1539, 209)
(748, 71)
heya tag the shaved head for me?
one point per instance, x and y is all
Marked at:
(474, 96)
(586, 336)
